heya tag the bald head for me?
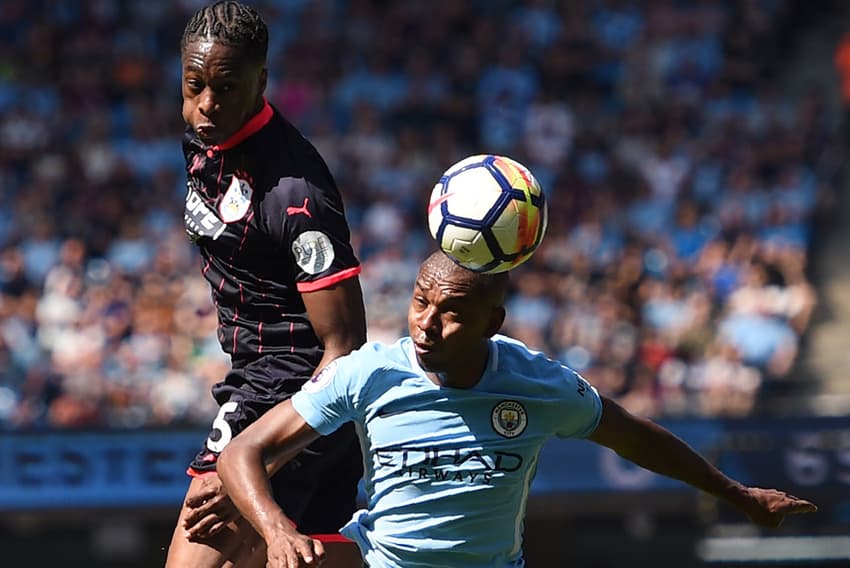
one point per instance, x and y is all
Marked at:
(492, 288)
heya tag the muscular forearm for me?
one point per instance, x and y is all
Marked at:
(244, 470)
(247, 463)
(659, 450)
(245, 476)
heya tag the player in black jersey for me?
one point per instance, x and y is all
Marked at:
(268, 221)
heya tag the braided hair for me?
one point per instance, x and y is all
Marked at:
(231, 23)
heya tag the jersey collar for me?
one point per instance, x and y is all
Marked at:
(489, 369)
(256, 122)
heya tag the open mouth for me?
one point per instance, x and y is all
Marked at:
(423, 347)
(206, 131)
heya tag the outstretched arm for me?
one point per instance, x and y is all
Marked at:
(657, 449)
(245, 466)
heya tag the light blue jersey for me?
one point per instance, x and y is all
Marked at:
(447, 470)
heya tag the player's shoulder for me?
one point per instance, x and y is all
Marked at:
(517, 358)
(511, 349)
(285, 142)
(373, 368)
(294, 186)
(358, 365)
(381, 355)
(293, 165)
(382, 362)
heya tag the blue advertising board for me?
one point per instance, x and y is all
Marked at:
(74, 470)
(103, 469)
(788, 453)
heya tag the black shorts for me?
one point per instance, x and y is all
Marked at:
(318, 488)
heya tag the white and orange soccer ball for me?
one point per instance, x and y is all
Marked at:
(488, 213)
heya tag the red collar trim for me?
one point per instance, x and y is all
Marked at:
(258, 121)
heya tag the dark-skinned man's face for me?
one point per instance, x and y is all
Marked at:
(222, 89)
(449, 320)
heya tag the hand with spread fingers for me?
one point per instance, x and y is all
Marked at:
(208, 511)
(287, 548)
(769, 507)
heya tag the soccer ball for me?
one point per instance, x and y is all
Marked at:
(487, 213)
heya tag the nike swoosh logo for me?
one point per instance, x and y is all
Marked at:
(436, 203)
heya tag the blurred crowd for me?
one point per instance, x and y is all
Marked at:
(683, 189)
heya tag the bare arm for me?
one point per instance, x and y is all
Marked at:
(657, 449)
(244, 468)
(338, 318)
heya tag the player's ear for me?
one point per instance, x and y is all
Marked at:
(497, 318)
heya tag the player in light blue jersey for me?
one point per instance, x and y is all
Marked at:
(451, 421)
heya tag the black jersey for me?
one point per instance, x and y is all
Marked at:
(268, 219)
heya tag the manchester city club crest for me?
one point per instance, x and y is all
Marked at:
(509, 418)
(236, 201)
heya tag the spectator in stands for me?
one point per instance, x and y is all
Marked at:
(667, 93)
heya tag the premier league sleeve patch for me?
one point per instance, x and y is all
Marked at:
(509, 418)
(321, 379)
(313, 251)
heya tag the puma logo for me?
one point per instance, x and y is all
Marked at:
(302, 209)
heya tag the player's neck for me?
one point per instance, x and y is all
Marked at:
(467, 373)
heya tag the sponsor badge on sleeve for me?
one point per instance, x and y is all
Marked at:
(321, 379)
